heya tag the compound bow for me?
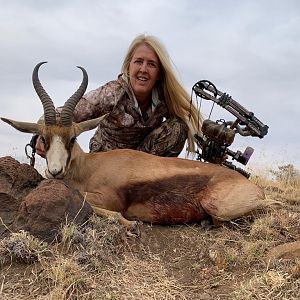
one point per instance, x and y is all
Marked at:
(219, 135)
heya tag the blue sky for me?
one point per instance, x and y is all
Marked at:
(249, 49)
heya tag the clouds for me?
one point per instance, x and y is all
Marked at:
(250, 49)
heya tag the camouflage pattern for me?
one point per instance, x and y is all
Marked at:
(124, 126)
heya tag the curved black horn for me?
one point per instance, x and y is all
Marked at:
(69, 106)
(49, 109)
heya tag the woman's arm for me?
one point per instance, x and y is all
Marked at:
(96, 103)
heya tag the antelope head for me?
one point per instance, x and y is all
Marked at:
(57, 135)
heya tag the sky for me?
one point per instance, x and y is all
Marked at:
(249, 49)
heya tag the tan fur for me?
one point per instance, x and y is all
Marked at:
(144, 187)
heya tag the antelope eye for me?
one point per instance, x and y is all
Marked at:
(73, 140)
(43, 140)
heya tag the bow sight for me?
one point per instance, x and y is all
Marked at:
(219, 135)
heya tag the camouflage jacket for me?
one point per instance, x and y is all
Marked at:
(124, 126)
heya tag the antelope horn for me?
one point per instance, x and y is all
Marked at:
(69, 106)
(49, 109)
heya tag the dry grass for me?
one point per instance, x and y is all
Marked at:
(99, 261)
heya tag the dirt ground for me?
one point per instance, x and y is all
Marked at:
(195, 261)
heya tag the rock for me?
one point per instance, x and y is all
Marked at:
(288, 250)
(27, 202)
(49, 206)
(16, 181)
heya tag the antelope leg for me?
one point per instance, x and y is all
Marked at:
(132, 226)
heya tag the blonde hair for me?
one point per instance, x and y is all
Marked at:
(177, 99)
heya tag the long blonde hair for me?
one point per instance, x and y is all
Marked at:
(177, 99)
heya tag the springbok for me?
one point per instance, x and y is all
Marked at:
(132, 185)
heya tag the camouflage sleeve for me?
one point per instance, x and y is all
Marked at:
(96, 103)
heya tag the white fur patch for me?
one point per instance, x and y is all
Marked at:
(57, 156)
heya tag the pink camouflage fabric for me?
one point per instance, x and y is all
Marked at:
(125, 127)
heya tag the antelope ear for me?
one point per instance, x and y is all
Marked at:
(89, 124)
(24, 126)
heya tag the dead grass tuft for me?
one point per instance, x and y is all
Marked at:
(21, 247)
(271, 284)
(64, 278)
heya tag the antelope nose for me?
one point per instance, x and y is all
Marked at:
(55, 172)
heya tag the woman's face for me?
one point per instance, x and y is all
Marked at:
(144, 71)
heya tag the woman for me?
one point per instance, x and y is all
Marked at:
(148, 108)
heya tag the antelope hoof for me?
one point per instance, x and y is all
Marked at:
(134, 229)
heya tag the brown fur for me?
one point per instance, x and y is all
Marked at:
(64, 132)
(170, 200)
(145, 187)
(161, 190)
